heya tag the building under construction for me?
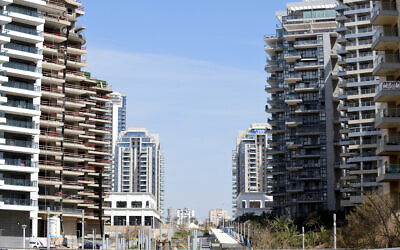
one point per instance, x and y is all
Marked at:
(75, 128)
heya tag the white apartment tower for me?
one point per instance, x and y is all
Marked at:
(138, 153)
(21, 39)
(249, 164)
(118, 110)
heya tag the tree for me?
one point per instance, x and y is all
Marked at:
(373, 224)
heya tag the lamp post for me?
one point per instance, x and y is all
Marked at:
(23, 236)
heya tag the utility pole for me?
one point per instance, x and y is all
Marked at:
(83, 229)
(94, 239)
(302, 234)
(334, 231)
(48, 228)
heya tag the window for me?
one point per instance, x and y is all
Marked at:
(243, 204)
(121, 204)
(119, 220)
(136, 204)
(255, 204)
(147, 204)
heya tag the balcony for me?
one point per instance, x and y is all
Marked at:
(388, 145)
(293, 78)
(9, 203)
(24, 34)
(388, 172)
(274, 89)
(388, 91)
(24, 15)
(388, 118)
(274, 109)
(273, 68)
(384, 13)
(386, 38)
(292, 56)
(387, 65)
(23, 70)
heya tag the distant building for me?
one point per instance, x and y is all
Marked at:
(118, 110)
(170, 215)
(249, 162)
(138, 154)
(133, 209)
(184, 216)
(217, 216)
(253, 203)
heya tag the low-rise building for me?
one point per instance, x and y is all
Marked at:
(133, 209)
(253, 203)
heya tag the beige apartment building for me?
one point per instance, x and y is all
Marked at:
(75, 152)
(386, 43)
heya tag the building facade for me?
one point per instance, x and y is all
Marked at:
(386, 44)
(21, 37)
(118, 109)
(133, 209)
(218, 216)
(139, 163)
(184, 216)
(301, 109)
(354, 96)
(75, 126)
(253, 203)
(249, 164)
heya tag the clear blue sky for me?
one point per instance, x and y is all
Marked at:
(192, 72)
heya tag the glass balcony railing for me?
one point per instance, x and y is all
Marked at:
(22, 66)
(389, 168)
(387, 58)
(20, 163)
(18, 202)
(19, 182)
(24, 11)
(25, 30)
(22, 143)
(379, 7)
(23, 48)
(22, 85)
(22, 124)
(24, 105)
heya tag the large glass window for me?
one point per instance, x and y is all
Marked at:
(119, 220)
(136, 204)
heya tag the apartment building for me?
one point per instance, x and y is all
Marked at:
(386, 44)
(218, 216)
(354, 100)
(140, 167)
(249, 164)
(300, 107)
(118, 109)
(184, 216)
(75, 129)
(21, 39)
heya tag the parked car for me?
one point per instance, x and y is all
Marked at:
(89, 245)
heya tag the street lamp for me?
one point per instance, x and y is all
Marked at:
(23, 236)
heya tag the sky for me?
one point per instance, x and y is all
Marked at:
(193, 72)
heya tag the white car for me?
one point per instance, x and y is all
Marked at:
(38, 243)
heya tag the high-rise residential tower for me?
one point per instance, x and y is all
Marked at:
(354, 96)
(75, 126)
(118, 109)
(21, 39)
(139, 157)
(249, 165)
(301, 107)
(386, 43)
